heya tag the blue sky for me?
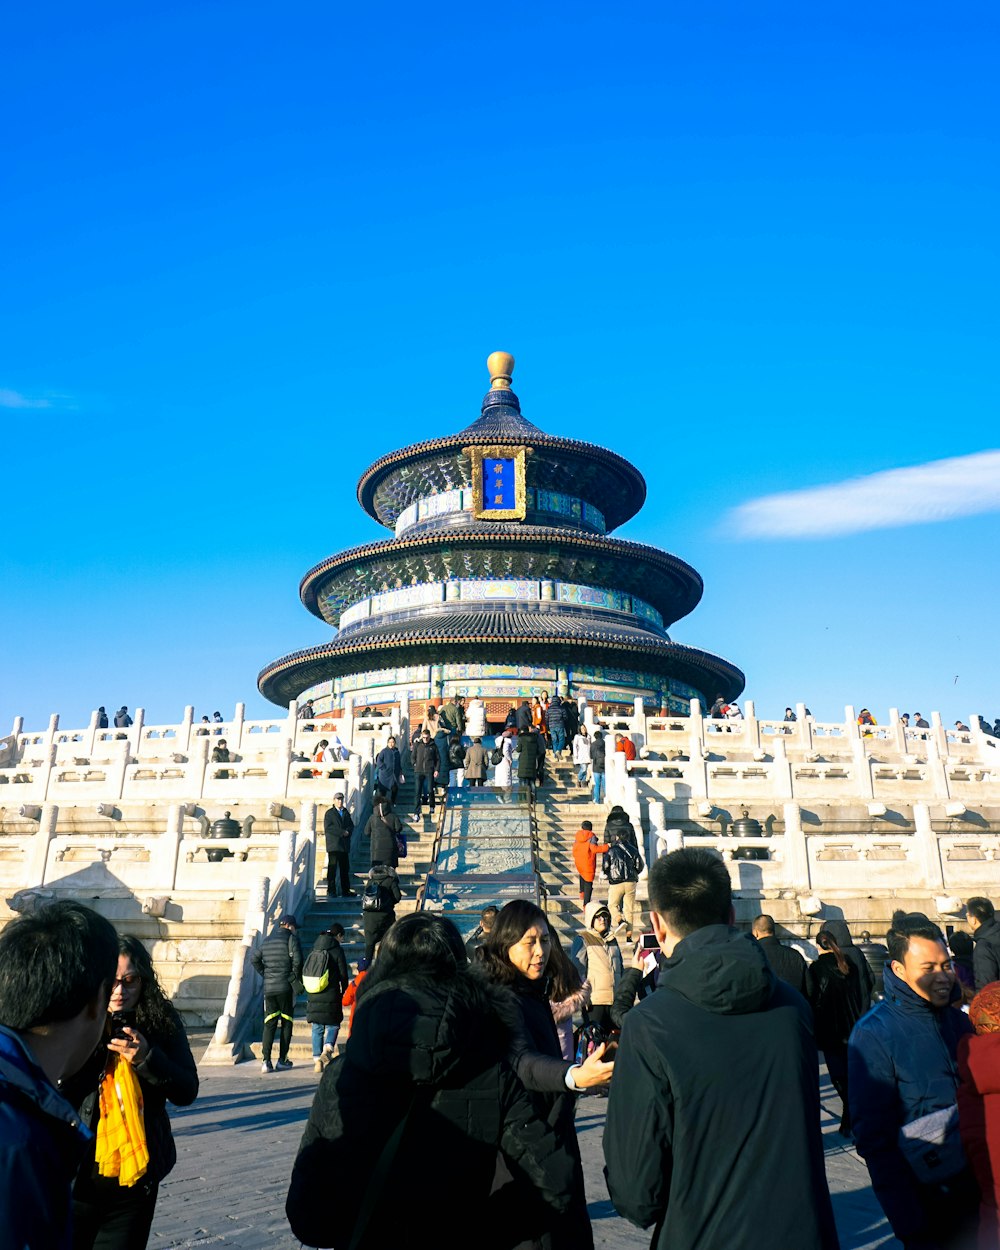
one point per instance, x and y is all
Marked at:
(246, 251)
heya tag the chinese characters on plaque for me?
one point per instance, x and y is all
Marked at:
(498, 484)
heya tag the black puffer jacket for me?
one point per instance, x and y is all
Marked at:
(327, 1006)
(598, 751)
(528, 755)
(437, 1052)
(278, 959)
(168, 1075)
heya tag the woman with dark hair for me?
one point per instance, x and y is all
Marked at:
(838, 1003)
(143, 1062)
(382, 828)
(423, 1091)
(516, 954)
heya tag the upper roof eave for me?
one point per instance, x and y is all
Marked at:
(373, 476)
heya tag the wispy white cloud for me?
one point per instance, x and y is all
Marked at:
(14, 399)
(937, 491)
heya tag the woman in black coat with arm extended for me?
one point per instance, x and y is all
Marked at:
(516, 954)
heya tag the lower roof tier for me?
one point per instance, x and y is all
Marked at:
(501, 637)
(516, 551)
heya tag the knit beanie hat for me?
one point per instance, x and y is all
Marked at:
(984, 1010)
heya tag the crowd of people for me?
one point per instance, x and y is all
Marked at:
(466, 1052)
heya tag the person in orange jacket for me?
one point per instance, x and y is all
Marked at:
(350, 998)
(625, 745)
(586, 848)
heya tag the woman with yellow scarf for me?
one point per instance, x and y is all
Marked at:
(142, 1062)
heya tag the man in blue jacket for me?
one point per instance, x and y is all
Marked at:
(901, 1068)
(56, 971)
(713, 1127)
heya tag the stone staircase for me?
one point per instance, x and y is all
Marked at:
(420, 835)
(560, 808)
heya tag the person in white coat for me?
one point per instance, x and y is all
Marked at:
(503, 773)
(581, 756)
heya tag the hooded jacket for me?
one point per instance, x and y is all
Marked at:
(434, 1052)
(713, 1128)
(598, 750)
(327, 1007)
(902, 1064)
(278, 959)
(586, 849)
(842, 936)
(42, 1142)
(600, 958)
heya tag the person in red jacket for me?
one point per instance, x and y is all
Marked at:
(350, 998)
(625, 745)
(586, 848)
(979, 1108)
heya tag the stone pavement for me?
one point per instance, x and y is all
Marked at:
(236, 1145)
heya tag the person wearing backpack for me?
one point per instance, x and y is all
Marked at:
(326, 979)
(622, 863)
(600, 959)
(378, 905)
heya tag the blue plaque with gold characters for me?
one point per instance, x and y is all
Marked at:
(498, 486)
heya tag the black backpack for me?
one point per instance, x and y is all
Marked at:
(624, 863)
(375, 897)
(316, 972)
(456, 755)
(496, 755)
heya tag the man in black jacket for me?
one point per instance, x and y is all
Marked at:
(337, 829)
(986, 932)
(720, 1024)
(278, 959)
(787, 963)
(425, 766)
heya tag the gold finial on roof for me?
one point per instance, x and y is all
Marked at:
(501, 366)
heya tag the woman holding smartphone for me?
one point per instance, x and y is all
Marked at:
(121, 1093)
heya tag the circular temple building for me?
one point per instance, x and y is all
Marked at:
(501, 580)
